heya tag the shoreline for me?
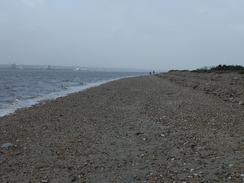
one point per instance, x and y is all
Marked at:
(28, 103)
(149, 128)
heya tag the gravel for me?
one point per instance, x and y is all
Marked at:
(150, 128)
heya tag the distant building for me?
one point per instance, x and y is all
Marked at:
(13, 66)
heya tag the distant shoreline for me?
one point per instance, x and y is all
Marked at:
(73, 68)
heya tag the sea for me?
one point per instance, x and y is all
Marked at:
(22, 88)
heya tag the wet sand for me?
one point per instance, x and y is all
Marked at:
(165, 128)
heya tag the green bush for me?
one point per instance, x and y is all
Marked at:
(221, 68)
(227, 68)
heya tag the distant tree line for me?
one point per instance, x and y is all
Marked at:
(222, 68)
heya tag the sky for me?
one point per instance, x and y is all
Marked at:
(142, 34)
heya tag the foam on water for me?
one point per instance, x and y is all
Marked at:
(7, 109)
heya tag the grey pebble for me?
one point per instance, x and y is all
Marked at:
(7, 145)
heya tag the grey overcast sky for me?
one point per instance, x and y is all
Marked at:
(147, 34)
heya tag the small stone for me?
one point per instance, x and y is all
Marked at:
(1, 158)
(144, 139)
(138, 133)
(242, 175)
(7, 146)
(44, 181)
(230, 165)
(231, 98)
(162, 135)
(241, 103)
(195, 86)
(74, 178)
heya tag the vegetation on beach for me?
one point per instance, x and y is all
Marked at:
(221, 68)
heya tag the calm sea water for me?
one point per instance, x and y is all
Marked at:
(27, 87)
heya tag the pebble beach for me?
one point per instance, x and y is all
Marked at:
(172, 127)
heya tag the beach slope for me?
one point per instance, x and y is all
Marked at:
(149, 128)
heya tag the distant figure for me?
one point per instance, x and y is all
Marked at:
(150, 73)
(153, 72)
